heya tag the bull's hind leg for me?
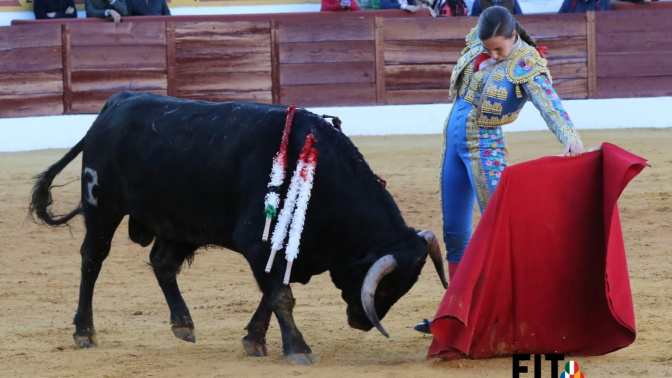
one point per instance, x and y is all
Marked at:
(255, 341)
(167, 258)
(94, 250)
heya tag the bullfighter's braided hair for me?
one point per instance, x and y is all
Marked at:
(497, 21)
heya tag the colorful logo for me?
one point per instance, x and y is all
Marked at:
(572, 371)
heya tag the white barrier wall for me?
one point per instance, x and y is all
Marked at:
(36, 133)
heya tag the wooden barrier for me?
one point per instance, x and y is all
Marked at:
(103, 59)
(31, 70)
(633, 54)
(327, 60)
(327, 63)
(220, 61)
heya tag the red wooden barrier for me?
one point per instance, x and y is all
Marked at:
(316, 59)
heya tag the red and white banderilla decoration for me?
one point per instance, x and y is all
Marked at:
(294, 207)
(272, 200)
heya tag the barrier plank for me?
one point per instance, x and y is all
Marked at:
(92, 102)
(554, 24)
(401, 29)
(220, 31)
(329, 94)
(275, 62)
(634, 42)
(117, 80)
(565, 47)
(120, 34)
(120, 57)
(336, 29)
(435, 76)
(423, 51)
(23, 36)
(223, 96)
(425, 96)
(632, 65)
(29, 83)
(327, 51)
(236, 81)
(378, 29)
(170, 58)
(639, 21)
(627, 87)
(591, 53)
(238, 62)
(34, 105)
(67, 68)
(572, 68)
(254, 44)
(571, 89)
(327, 73)
(31, 59)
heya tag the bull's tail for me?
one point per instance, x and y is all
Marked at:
(41, 195)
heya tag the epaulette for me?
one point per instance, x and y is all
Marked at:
(471, 39)
(468, 55)
(525, 64)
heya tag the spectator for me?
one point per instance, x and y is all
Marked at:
(407, 5)
(583, 6)
(47, 9)
(148, 8)
(106, 8)
(480, 5)
(448, 8)
(338, 5)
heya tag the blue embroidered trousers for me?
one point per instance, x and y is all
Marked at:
(473, 160)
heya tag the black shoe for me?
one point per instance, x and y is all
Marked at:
(424, 326)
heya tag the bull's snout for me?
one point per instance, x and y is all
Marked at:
(358, 321)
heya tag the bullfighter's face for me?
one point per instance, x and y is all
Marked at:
(499, 47)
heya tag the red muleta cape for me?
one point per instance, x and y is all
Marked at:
(545, 271)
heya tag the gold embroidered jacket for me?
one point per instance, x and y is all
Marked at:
(499, 91)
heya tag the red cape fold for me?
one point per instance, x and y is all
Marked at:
(545, 271)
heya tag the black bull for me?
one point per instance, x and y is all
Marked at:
(191, 174)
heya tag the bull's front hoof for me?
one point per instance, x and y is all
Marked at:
(85, 341)
(185, 333)
(254, 348)
(300, 358)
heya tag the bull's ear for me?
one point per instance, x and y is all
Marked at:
(366, 262)
(434, 252)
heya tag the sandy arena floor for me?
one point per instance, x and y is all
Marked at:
(39, 279)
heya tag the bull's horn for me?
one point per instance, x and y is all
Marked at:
(384, 266)
(435, 254)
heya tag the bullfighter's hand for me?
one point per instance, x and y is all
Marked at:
(573, 149)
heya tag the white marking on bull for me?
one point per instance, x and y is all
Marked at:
(90, 198)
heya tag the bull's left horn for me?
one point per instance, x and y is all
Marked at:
(384, 266)
(435, 254)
